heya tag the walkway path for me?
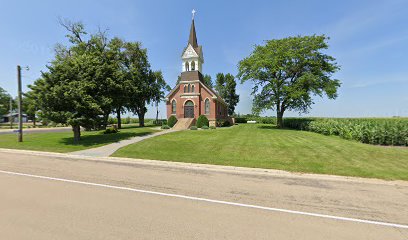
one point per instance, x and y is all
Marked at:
(107, 150)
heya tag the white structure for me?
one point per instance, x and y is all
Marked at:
(192, 57)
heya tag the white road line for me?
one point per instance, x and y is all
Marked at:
(211, 200)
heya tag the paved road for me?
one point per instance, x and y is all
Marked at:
(87, 199)
(36, 130)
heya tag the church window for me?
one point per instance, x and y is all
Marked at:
(192, 88)
(207, 106)
(173, 107)
(189, 88)
(185, 88)
(192, 66)
(187, 66)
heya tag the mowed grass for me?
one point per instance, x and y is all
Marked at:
(264, 146)
(63, 141)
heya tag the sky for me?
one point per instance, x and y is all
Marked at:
(368, 38)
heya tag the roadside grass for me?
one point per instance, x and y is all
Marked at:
(264, 146)
(63, 141)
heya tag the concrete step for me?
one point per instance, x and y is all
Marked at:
(183, 123)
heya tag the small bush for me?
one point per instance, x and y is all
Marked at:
(204, 127)
(212, 127)
(165, 127)
(240, 120)
(160, 122)
(172, 121)
(202, 121)
(110, 130)
(223, 123)
(193, 128)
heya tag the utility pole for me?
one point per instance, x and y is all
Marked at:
(11, 113)
(20, 108)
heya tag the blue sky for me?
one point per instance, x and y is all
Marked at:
(368, 38)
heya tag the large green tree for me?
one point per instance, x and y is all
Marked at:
(226, 87)
(287, 73)
(76, 89)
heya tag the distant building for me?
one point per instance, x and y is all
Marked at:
(14, 116)
(191, 97)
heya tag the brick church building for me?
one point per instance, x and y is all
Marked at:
(191, 98)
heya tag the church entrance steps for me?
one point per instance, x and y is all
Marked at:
(183, 123)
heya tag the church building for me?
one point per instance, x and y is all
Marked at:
(191, 98)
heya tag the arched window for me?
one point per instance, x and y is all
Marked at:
(189, 88)
(192, 88)
(173, 107)
(192, 66)
(187, 66)
(185, 88)
(207, 106)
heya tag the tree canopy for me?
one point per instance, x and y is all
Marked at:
(4, 101)
(226, 87)
(288, 72)
(93, 77)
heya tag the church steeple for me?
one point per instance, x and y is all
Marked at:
(193, 37)
(192, 58)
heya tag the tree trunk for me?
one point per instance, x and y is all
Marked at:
(77, 133)
(279, 119)
(141, 115)
(34, 123)
(119, 118)
(157, 113)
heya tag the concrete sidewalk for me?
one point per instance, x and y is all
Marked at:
(107, 150)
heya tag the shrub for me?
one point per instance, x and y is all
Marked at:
(160, 122)
(240, 120)
(202, 121)
(212, 127)
(223, 123)
(172, 121)
(165, 127)
(193, 128)
(110, 130)
(204, 127)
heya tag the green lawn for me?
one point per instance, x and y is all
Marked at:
(264, 146)
(63, 141)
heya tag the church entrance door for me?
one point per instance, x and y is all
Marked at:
(189, 109)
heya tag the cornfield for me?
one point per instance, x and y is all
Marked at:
(378, 131)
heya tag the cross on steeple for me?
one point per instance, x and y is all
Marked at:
(193, 12)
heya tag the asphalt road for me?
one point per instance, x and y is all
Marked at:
(36, 130)
(46, 197)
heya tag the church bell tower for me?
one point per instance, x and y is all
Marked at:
(192, 57)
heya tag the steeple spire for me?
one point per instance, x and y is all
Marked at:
(193, 37)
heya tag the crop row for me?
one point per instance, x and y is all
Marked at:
(378, 131)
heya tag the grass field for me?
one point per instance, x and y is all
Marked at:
(264, 146)
(63, 141)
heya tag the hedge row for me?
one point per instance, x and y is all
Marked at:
(378, 131)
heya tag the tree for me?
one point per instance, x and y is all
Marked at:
(30, 106)
(75, 89)
(231, 97)
(159, 87)
(226, 87)
(287, 72)
(207, 81)
(146, 85)
(4, 102)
